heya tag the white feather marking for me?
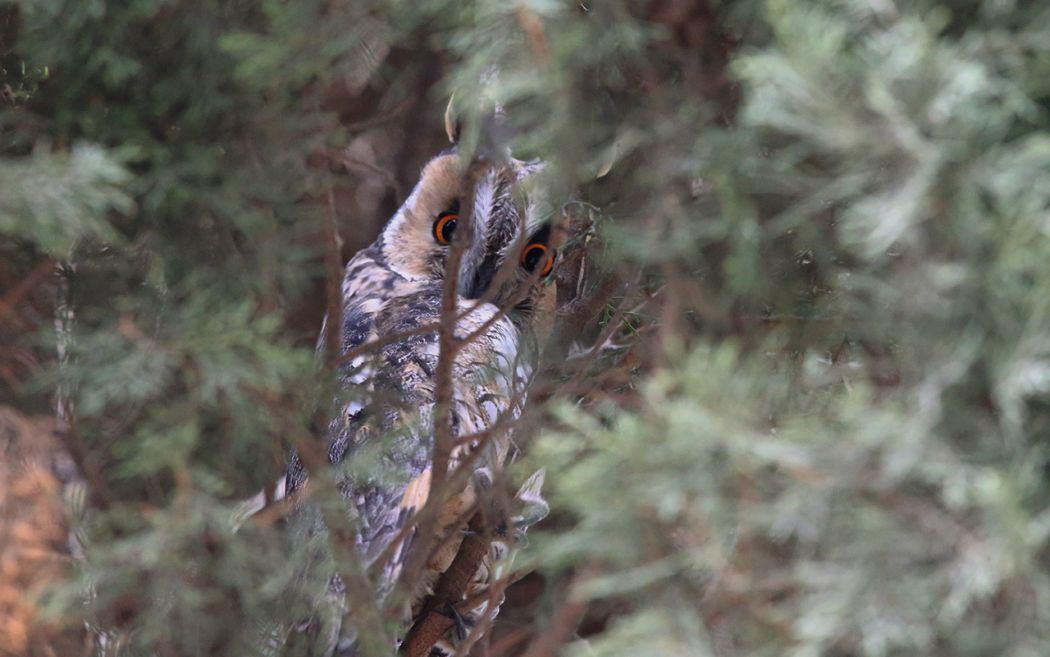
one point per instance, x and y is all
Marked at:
(370, 306)
(483, 202)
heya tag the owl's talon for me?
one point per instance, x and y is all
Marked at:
(462, 626)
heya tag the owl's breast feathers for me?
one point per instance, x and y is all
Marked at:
(484, 376)
(388, 395)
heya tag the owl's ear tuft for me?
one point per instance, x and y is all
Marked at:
(452, 127)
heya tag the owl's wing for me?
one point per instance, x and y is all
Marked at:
(365, 289)
(380, 446)
(357, 414)
(397, 481)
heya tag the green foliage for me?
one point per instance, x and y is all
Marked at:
(830, 438)
(863, 473)
(54, 200)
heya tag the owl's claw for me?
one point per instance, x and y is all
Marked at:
(462, 625)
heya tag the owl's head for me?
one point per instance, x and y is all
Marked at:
(491, 204)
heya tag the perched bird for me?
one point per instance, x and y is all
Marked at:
(382, 430)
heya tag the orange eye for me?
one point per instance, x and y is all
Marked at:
(444, 227)
(537, 254)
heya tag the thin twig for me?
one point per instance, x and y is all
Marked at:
(364, 612)
(333, 286)
(564, 621)
(10, 300)
(494, 591)
(456, 478)
(98, 490)
(65, 414)
(512, 640)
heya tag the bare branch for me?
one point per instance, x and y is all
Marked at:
(333, 285)
(563, 622)
(364, 613)
(435, 620)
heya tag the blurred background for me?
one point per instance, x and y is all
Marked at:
(796, 401)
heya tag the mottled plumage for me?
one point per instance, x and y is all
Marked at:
(383, 425)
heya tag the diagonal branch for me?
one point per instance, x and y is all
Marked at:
(436, 620)
(333, 286)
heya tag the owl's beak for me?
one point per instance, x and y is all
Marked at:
(477, 277)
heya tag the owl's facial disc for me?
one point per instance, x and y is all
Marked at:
(416, 240)
(486, 206)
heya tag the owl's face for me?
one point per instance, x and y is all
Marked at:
(415, 242)
(507, 257)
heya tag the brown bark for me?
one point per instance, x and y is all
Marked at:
(436, 620)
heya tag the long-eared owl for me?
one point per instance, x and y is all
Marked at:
(381, 431)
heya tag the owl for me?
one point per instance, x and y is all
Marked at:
(381, 432)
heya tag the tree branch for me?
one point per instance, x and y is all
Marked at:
(436, 620)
